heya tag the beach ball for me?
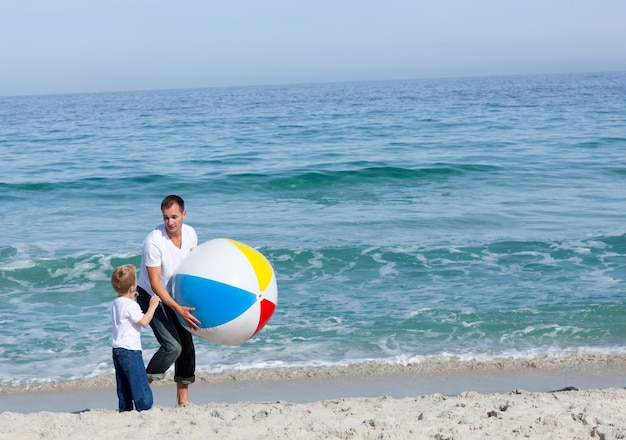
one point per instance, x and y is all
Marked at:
(231, 285)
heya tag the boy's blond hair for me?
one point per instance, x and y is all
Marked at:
(124, 278)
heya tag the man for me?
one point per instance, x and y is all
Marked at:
(163, 250)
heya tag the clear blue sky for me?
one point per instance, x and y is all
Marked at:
(69, 46)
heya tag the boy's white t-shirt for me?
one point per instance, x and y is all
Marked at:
(125, 314)
(158, 250)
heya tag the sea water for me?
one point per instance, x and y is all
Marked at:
(466, 218)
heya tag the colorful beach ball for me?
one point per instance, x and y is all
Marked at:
(231, 285)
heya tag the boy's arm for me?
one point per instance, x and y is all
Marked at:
(147, 317)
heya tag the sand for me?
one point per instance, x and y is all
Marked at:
(546, 401)
(582, 414)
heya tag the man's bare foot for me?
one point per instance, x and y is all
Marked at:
(182, 394)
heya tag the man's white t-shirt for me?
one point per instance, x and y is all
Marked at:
(125, 314)
(158, 250)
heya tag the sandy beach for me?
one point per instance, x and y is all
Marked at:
(563, 415)
(545, 399)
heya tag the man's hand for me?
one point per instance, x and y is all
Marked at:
(190, 320)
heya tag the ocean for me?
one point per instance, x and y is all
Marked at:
(456, 219)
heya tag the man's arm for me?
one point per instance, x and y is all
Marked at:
(154, 274)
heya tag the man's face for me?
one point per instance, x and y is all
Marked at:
(173, 218)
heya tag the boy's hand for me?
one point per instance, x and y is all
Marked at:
(154, 301)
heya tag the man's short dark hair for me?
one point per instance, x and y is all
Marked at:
(170, 200)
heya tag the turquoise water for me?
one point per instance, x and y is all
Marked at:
(406, 220)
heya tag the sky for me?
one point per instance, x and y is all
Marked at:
(76, 46)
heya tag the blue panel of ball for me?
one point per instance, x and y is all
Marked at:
(217, 303)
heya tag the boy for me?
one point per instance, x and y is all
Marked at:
(128, 319)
